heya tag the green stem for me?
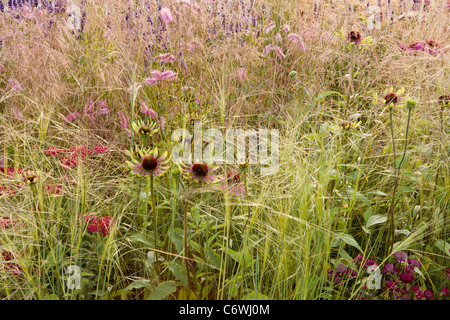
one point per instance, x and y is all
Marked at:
(155, 224)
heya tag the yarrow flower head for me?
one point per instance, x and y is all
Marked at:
(200, 172)
(149, 163)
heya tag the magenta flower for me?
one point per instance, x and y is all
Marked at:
(2, 68)
(391, 285)
(147, 110)
(388, 268)
(89, 107)
(104, 108)
(428, 294)
(166, 15)
(354, 37)
(6, 222)
(200, 172)
(100, 149)
(165, 57)
(445, 291)
(72, 116)
(162, 123)
(277, 49)
(406, 278)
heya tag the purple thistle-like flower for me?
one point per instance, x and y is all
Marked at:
(415, 288)
(388, 268)
(401, 256)
(414, 263)
(406, 278)
(337, 280)
(341, 269)
(428, 294)
(447, 271)
(391, 285)
(445, 291)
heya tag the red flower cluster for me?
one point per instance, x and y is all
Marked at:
(74, 154)
(6, 222)
(101, 225)
(9, 266)
(10, 172)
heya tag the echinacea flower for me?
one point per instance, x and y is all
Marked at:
(149, 163)
(233, 184)
(200, 172)
(392, 98)
(444, 100)
(350, 125)
(354, 37)
(144, 129)
(31, 177)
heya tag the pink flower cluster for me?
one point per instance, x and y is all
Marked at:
(157, 76)
(101, 225)
(10, 267)
(9, 172)
(6, 222)
(430, 46)
(74, 154)
(89, 110)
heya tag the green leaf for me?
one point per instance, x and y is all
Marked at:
(375, 219)
(377, 192)
(443, 246)
(163, 290)
(406, 189)
(348, 239)
(328, 93)
(255, 295)
(177, 237)
(137, 284)
(51, 296)
(213, 257)
(179, 273)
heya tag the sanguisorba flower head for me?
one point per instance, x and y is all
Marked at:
(200, 172)
(149, 163)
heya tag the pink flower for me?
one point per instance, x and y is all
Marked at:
(162, 123)
(123, 120)
(269, 27)
(15, 84)
(72, 116)
(158, 76)
(104, 108)
(286, 28)
(241, 74)
(88, 108)
(166, 15)
(2, 68)
(100, 149)
(277, 49)
(147, 110)
(17, 113)
(297, 40)
(165, 57)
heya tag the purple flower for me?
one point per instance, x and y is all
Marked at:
(72, 116)
(445, 291)
(369, 262)
(297, 40)
(158, 76)
(448, 272)
(89, 107)
(400, 256)
(352, 273)
(269, 27)
(337, 280)
(341, 269)
(415, 288)
(391, 285)
(414, 263)
(428, 294)
(419, 294)
(388, 268)
(406, 278)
